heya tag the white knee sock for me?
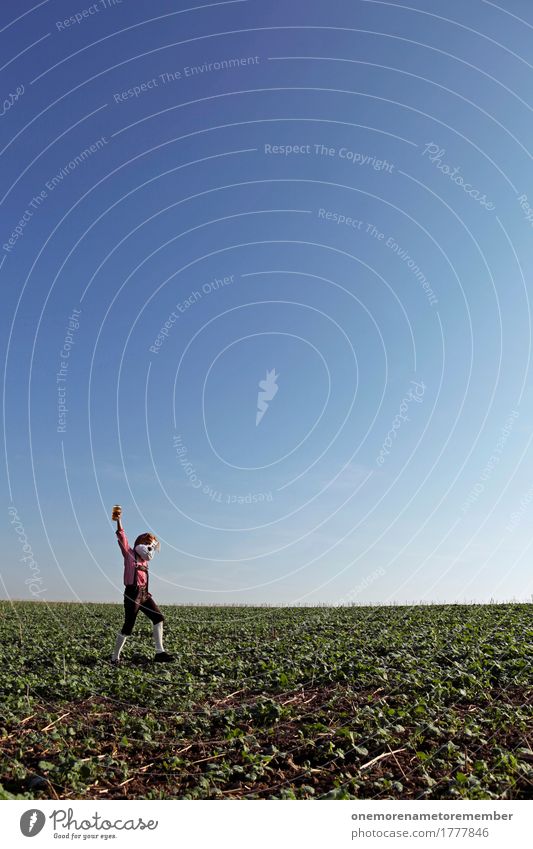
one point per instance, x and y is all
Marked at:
(158, 637)
(121, 639)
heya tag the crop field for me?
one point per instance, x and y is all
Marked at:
(427, 702)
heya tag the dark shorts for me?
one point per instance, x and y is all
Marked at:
(135, 599)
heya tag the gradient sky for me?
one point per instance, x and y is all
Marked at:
(394, 461)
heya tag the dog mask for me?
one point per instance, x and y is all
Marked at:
(146, 552)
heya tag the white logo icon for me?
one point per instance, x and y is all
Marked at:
(32, 822)
(268, 388)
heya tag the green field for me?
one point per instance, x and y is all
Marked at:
(430, 702)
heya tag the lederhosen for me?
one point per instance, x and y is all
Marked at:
(138, 598)
(140, 590)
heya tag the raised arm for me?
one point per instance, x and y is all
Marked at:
(121, 534)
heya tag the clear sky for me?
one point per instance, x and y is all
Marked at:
(334, 199)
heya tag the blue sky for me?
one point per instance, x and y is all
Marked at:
(337, 193)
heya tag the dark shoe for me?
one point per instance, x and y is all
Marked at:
(163, 657)
(115, 662)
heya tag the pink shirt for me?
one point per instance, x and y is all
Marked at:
(130, 562)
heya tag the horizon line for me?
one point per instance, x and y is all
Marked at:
(283, 605)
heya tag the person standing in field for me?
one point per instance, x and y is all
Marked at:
(136, 595)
